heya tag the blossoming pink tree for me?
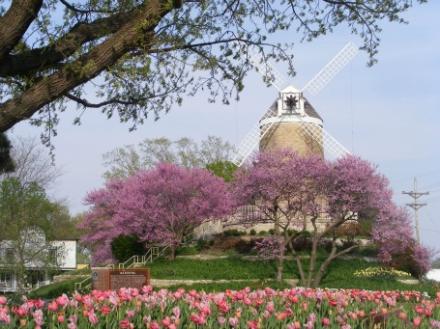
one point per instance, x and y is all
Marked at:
(162, 205)
(394, 236)
(311, 196)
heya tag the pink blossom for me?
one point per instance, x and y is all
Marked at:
(233, 322)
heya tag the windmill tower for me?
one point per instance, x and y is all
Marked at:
(291, 121)
(285, 125)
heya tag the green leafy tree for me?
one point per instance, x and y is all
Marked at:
(139, 58)
(27, 226)
(125, 246)
(6, 162)
(223, 169)
(126, 161)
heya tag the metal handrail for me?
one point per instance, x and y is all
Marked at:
(79, 285)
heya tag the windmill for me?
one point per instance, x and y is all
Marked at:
(292, 122)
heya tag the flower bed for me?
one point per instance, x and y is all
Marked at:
(381, 273)
(268, 308)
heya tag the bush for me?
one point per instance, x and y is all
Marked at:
(381, 273)
(226, 242)
(233, 233)
(253, 232)
(203, 244)
(245, 247)
(55, 289)
(302, 243)
(187, 250)
(262, 233)
(415, 260)
(125, 246)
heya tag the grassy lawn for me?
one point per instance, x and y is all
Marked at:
(55, 289)
(339, 275)
(214, 269)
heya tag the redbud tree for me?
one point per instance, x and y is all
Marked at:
(162, 205)
(305, 196)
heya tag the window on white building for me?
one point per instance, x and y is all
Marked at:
(5, 279)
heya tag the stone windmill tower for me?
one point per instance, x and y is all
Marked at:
(291, 121)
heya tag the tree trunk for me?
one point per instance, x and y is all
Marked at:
(173, 252)
(280, 262)
(312, 263)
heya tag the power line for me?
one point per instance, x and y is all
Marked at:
(415, 205)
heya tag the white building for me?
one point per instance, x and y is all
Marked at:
(40, 258)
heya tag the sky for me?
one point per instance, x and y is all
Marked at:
(388, 114)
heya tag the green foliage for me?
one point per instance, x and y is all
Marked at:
(126, 161)
(202, 244)
(55, 289)
(340, 273)
(125, 246)
(6, 162)
(223, 169)
(24, 206)
(381, 273)
(253, 232)
(187, 250)
(233, 232)
(223, 286)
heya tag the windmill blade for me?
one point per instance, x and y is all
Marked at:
(332, 148)
(251, 141)
(328, 72)
(266, 69)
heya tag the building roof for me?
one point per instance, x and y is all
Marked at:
(308, 108)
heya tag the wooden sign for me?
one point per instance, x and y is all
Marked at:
(109, 279)
(129, 278)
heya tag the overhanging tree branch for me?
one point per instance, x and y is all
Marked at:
(15, 23)
(92, 63)
(65, 46)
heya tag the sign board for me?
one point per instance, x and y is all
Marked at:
(110, 279)
(129, 278)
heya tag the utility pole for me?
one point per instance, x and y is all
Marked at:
(416, 205)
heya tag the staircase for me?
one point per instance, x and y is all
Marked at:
(134, 261)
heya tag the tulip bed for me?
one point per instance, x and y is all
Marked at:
(267, 308)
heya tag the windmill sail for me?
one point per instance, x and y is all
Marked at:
(251, 141)
(328, 72)
(332, 148)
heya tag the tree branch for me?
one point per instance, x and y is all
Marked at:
(65, 46)
(15, 23)
(140, 28)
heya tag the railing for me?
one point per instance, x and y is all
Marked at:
(83, 283)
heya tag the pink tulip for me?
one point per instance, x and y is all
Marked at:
(221, 320)
(417, 321)
(126, 324)
(325, 322)
(233, 322)
(154, 325)
(3, 300)
(52, 306)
